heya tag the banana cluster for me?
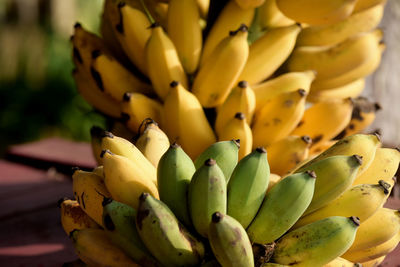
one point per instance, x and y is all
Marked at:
(150, 204)
(265, 72)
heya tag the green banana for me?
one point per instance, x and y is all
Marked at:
(317, 243)
(207, 194)
(229, 242)
(334, 176)
(174, 172)
(119, 224)
(225, 153)
(166, 238)
(282, 207)
(247, 186)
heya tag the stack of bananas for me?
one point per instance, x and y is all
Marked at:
(150, 204)
(282, 74)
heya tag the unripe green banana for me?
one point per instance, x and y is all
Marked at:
(207, 194)
(229, 242)
(225, 153)
(282, 207)
(247, 186)
(317, 243)
(334, 176)
(166, 238)
(174, 173)
(119, 224)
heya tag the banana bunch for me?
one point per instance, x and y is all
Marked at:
(150, 204)
(266, 72)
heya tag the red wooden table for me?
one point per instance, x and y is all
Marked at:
(30, 229)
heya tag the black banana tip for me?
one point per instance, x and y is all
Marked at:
(306, 139)
(240, 116)
(216, 217)
(143, 196)
(107, 134)
(127, 97)
(124, 117)
(385, 186)
(397, 148)
(108, 223)
(77, 25)
(243, 84)
(174, 84)
(299, 25)
(61, 200)
(378, 135)
(358, 158)
(311, 174)
(106, 201)
(96, 53)
(96, 131)
(355, 220)
(377, 106)
(104, 152)
(261, 149)
(121, 4)
(175, 145)
(210, 162)
(302, 92)
(357, 264)
(74, 169)
(72, 233)
(154, 25)
(237, 142)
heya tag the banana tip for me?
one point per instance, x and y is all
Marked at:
(216, 217)
(261, 150)
(240, 116)
(61, 200)
(306, 139)
(74, 169)
(143, 196)
(77, 25)
(106, 201)
(385, 186)
(311, 174)
(174, 84)
(104, 152)
(124, 117)
(175, 145)
(237, 142)
(243, 84)
(355, 220)
(358, 158)
(126, 97)
(210, 162)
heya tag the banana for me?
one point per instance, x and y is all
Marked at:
(247, 186)
(89, 190)
(246, 4)
(374, 263)
(365, 4)
(125, 179)
(225, 153)
(350, 90)
(334, 176)
(123, 147)
(119, 224)
(282, 207)
(361, 200)
(203, 6)
(278, 118)
(185, 32)
(96, 134)
(379, 228)
(73, 216)
(273, 180)
(238, 128)
(336, 114)
(163, 62)
(229, 241)
(287, 153)
(268, 53)
(168, 241)
(287, 82)
(373, 252)
(206, 195)
(152, 142)
(271, 17)
(229, 19)
(364, 145)
(383, 167)
(317, 243)
(315, 12)
(99, 170)
(340, 262)
(241, 99)
(185, 122)
(95, 249)
(174, 173)
(333, 34)
(219, 72)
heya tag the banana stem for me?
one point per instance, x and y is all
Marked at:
(152, 21)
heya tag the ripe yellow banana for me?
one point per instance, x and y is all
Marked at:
(287, 82)
(365, 4)
(270, 16)
(238, 128)
(352, 90)
(218, 74)
(317, 12)
(163, 64)
(241, 99)
(136, 107)
(285, 154)
(185, 122)
(185, 32)
(340, 262)
(333, 34)
(335, 114)
(278, 117)
(230, 18)
(268, 53)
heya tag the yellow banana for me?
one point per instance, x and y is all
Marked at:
(365, 4)
(185, 32)
(246, 4)
(89, 190)
(278, 117)
(335, 115)
(185, 121)
(218, 74)
(361, 200)
(340, 262)
(285, 154)
(268, 53)
(271, 17)
(352, 89)
(163, 64)
(125, 180)
(136, 107)
(374, 263)
(333, 34)
(238, 128)
(287, 82)
(230, 18)
(241, 99)
(317, 12)
(73, 217)
(96, 249)
(153, 142)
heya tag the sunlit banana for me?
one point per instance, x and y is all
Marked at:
(271, 17)
(352, 90)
